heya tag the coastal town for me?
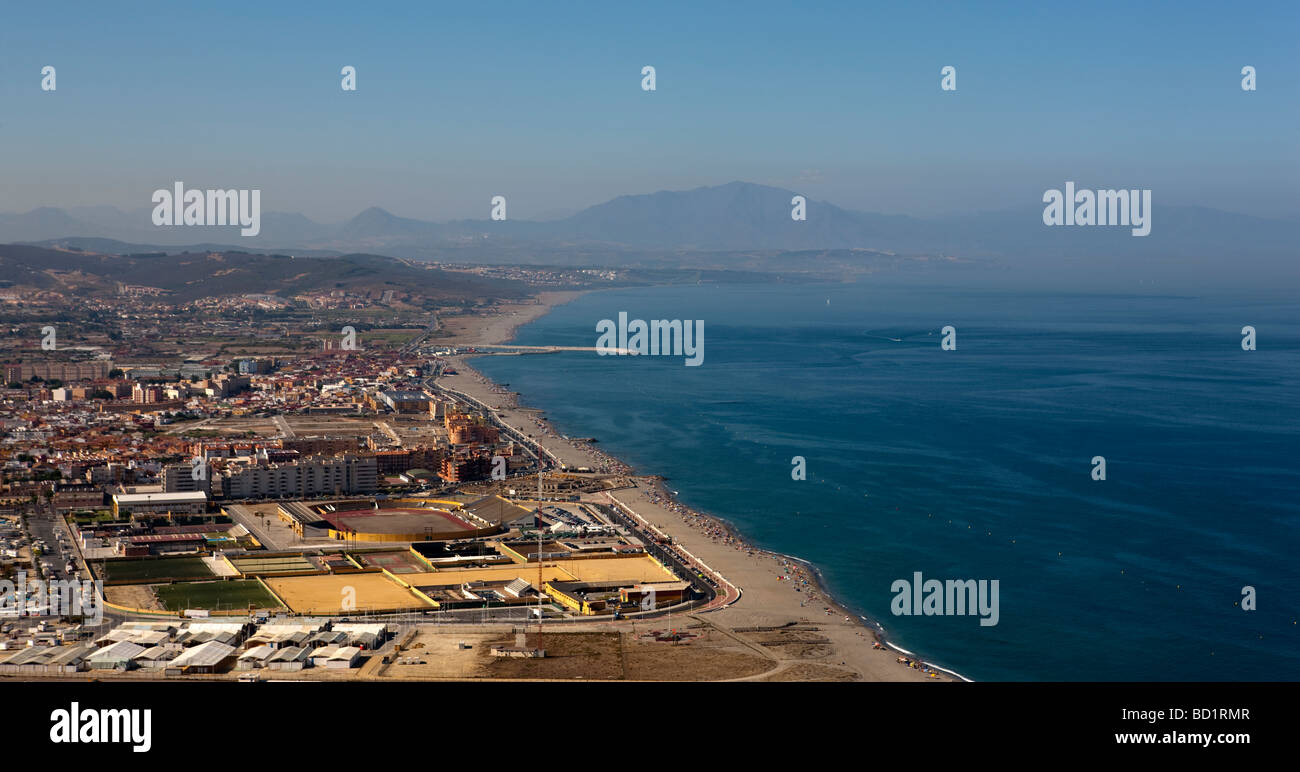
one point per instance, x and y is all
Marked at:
(254, 496)
(663, 382)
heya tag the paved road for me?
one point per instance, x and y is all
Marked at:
(188, 427)
(417, 340)
(386, 429)
(530, 447)
(700, 581)
(245, 517)
(286, 431)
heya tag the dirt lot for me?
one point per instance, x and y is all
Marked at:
(710, 657)
(589, 655)
(334, 426)
(794, 643)
(807, 671)
(592, 656)
(133, 596)
(437, 655)
(619, 656)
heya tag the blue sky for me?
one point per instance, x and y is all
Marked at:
(541, 102)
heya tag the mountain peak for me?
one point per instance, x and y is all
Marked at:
(374, 213)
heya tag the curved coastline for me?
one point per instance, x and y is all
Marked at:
(873, 626)
(672, 501)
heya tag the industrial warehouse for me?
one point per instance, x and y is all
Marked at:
(203, 647)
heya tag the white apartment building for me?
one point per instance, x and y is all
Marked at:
(315, 476)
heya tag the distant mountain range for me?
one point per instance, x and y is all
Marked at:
(678, 226)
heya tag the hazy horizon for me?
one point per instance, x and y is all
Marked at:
(559, 213)
(843, 103)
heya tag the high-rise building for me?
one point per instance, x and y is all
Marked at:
(470, 429)
(48, 370)
(319, 445)
(466, 465)
(180, 478)
(147, 395)
(315, 476)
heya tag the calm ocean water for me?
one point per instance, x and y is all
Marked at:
(975, 463)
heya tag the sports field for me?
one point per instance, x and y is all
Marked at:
(164, 568)
(402, 562)
(641, 568)
(273, 564)
(523, 571)
(214, 596)
(332, 594)
(637, 568)
(398, 524)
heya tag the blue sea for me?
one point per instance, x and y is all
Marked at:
(977, 463)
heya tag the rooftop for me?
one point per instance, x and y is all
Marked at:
(193, 497)
(207, 654)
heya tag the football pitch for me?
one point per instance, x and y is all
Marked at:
(215, 596)
(166, 568)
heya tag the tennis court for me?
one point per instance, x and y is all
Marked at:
(402, 562)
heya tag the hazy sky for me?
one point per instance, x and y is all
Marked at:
(542, 103)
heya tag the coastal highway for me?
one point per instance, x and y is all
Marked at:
(701, 581)
(533, 449)
(415, 342)
(700, 577)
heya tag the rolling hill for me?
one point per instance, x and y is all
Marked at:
(190, 275)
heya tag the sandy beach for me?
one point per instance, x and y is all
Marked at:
(499, 324)
(775, 590)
